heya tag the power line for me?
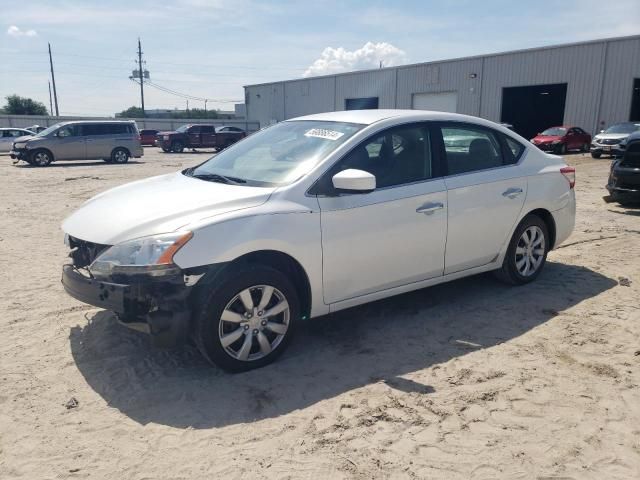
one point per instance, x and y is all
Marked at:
(186, 96)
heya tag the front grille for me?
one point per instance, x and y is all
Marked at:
(632, 156)
(84, 253)
(609, 141)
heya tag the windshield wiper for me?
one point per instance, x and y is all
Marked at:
(214, 177)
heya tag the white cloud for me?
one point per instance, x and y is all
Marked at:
(336, 60)
(14, 31)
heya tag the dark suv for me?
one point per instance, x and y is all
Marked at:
(624, 179)
(197, 136)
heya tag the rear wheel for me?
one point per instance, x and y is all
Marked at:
(41, 158)
(527, 252)
(562, 149)
(177, 146)
(166, 150)
(248, 320)
(119, 155)
(585, 148)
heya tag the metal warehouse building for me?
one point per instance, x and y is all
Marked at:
(589, 84)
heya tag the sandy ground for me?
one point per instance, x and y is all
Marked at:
(472, 379)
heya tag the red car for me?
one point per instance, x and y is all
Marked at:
(562, 139)
(148, 137)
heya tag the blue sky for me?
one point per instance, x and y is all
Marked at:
(211, 48)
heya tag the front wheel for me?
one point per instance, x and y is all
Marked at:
(562, 149)
(40, 158)
(177, 147)
(248, 320)
(527, 252)
(595, 155)
(166, 150)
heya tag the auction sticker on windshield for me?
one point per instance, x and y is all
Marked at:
(323, 133)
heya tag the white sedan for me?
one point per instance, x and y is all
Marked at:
(314, 215)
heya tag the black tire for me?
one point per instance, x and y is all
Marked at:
(595, 155)
(119, 155)
(562, 149)
(585, 148)
(207, 320)
(40, 158)
(177, 146)
(509, 272)
(166, 150)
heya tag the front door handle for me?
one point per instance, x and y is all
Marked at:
(429, 208)
(512, 192)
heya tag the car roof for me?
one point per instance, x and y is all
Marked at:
(14, 128)
(367, 117)
(74, 122)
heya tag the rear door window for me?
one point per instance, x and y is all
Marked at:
(469, 148)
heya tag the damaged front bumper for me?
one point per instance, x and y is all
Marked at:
(158, 306)
(19, 154)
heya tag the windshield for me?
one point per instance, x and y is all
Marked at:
(277, 155)
(183, 129)
(49, 130)
(623, 128)
(555, 131)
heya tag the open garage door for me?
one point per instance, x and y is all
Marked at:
(438, 102)
(534, 108)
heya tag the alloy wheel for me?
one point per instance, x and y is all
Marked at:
(120, 156)
(41, 159)
(254, 323)
(530, 251)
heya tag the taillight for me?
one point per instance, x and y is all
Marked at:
(570, 174)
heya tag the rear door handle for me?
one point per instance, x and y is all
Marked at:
(429, 208)
(512, 192)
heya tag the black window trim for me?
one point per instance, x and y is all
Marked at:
(437, 167)
(501, 137)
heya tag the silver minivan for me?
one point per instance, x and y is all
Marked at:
(111, 141)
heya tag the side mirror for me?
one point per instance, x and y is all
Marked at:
(354, 181)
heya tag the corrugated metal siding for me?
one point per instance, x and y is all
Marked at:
(623, 65)
(599, 77)
(579, 66)
(381, 84)
(313, 95)
(442, 77)
(265, 103)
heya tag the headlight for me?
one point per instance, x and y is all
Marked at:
(165, 137)
(148, 255)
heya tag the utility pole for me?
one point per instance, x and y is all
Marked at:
(50, 101)
(53, 80)
(140, 76)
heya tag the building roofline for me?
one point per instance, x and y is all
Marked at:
(456, 59)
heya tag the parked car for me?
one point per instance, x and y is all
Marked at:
(562, 139)
(624, 177)
(607, 142)
(9, 135)
(313, 215)
(112, 141)
(36, 128)
(148, 137)
(197, 136)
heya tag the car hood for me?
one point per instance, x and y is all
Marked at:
(25, 138)
(615, 136)
(546, 138)
(157, 205)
